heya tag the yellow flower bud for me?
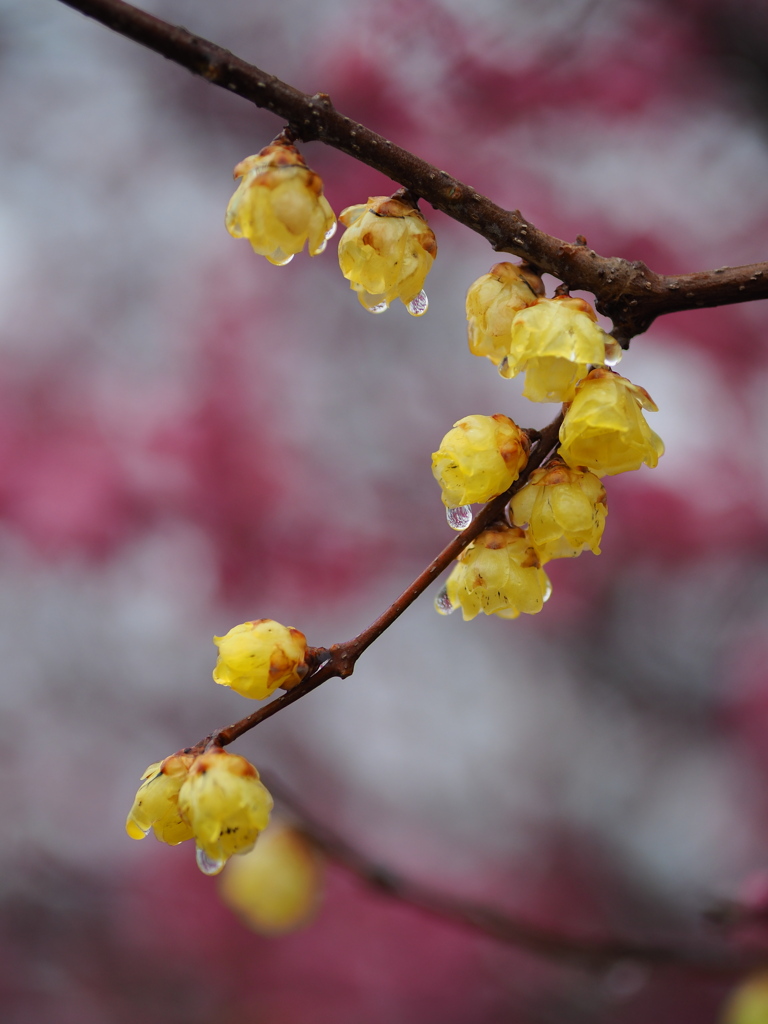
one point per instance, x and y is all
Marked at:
(157, 802)
(555, 342)
(748, 1004)
(481, 457)
(257, 657)
(276, 887)
(279, 205)
(226, 806)
(492, 304)
(563, 510)
(498, 574)
(604, 429)
(386, 253)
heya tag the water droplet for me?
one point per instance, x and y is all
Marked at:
(331, 231)
(613, 352)
(419, 305)
(381, 308)
(443, 604)
(459, 518)
(503, 367)
(321, 248)
(279, 258)
(547, 591)
(207, 864)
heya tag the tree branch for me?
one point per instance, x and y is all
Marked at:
(627, 292)
(339, 660)
(585, 951)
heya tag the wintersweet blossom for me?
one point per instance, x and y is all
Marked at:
(279, 205)
(386, 253)
(604, 429)
(156, 805)
(554, 342)
(499, 573)
(563, 510)
(481, 457)
(493, 301)
(226, 805)
(256, 657)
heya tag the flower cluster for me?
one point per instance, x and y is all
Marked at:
(215, 798)
(555, 511)
(211, 796)
(386, 252)
(560, 510)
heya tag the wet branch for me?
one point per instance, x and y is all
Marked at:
(629, 293)
(590, 952)
(339, 660)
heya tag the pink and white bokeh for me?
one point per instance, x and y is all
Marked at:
(191, 437)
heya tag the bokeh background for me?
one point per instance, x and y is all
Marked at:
(190, 437)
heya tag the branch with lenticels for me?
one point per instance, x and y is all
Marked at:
(631, 294)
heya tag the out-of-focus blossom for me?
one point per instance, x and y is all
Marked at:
(479, 458)
(226, 805)
(257, 657)
(498, 574)
(386, 253)
(157, 802)
(279, 205)
(563, 510)
(276, 887)
(554, 342)
(493, 301)
(748, 1004)
(604, 428)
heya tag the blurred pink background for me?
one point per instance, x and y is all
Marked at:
(190, 437)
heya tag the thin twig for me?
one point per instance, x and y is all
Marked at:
(339, 660)
(627, 292)
(585, 951)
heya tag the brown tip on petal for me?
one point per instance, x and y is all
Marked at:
(428, 242)
(531, 560)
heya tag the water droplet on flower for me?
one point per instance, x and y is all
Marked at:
(613, 352)
(208, 865)
(459, 518)
(418, 306)
(331, 231)
(321, 248)
(503, 366)
(548, 591)
(443, 604)
(382, 306)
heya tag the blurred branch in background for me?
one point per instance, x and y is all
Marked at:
(584, 951)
